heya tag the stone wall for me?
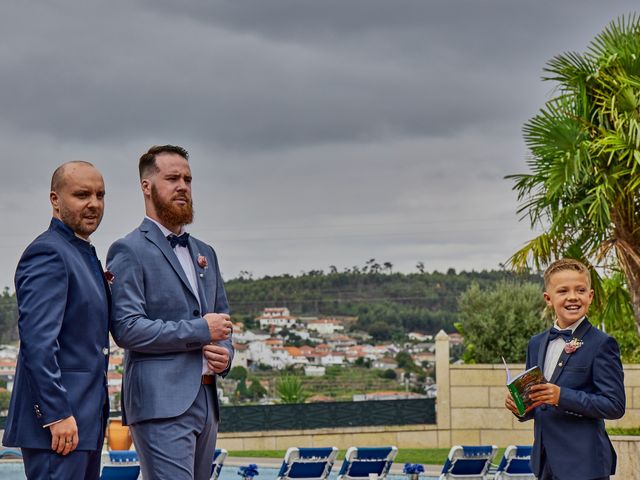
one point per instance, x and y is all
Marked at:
(469, 410)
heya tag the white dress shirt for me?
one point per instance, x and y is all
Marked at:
(186, 262)
(555, 348)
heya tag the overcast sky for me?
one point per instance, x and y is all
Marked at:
(321, 132)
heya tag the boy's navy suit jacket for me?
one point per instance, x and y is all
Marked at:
(572, 434)
(63, 308)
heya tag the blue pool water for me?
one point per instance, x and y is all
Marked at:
(14, 471)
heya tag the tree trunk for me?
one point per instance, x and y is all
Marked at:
(629, 258)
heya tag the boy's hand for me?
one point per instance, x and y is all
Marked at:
(545, 393)
(510, 404)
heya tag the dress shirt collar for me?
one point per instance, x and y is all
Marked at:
(572, 327)
(165, 231)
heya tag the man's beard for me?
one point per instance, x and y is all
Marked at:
(74, 221)
(169, 213)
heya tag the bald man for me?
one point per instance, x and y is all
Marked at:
(59, 404)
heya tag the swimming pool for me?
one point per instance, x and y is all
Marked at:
(14, 471)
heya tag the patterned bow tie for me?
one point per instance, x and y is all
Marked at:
(182, 240)
(565, 334)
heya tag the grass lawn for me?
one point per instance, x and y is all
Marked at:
(425, 456)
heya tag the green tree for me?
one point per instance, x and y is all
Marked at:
(238, 373)
(291, 390)
(256, 390)
(8, 317)
(405, 361)
(618, 318)
(389, 374)
(583, 190)
(499, 322)
(5, 397)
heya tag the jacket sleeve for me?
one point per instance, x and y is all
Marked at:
(130, 326)
(222, 306)
(607, 400)
(41, 291)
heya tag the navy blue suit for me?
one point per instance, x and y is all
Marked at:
(63, 308)
(572, 436)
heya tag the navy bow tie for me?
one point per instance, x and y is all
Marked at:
(182, 240)
(565, 334)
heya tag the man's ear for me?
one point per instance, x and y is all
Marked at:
(54, 199)
(145, 186)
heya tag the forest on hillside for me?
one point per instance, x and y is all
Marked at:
(382, 302)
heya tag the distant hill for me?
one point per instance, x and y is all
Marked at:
(383, 302)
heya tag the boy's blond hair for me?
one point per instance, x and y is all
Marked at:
(565, 264)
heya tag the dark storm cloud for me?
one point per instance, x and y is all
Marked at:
(321, 132)
(252, 75)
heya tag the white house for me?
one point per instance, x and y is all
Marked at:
(325, 326)
(278, 318)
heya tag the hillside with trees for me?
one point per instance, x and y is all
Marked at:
(383, 302)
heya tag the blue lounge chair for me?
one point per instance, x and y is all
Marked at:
(124, 466)
(468, 462)
(218, 461)
(360, 462)
(10, 453)
(123, 456)
(120, 472)
(307, 463)
(515, 464)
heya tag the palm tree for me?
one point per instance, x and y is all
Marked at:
(291, 390)
(583, 190)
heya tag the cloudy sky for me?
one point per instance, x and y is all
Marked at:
(321, 132)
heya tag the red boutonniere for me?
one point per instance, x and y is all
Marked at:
(202, 262)
(109, 277)
(573, 345)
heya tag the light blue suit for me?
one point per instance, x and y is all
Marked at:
(158, 320)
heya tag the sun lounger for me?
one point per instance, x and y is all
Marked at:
(468, 462)
(307, 463)
(360, 462)
(515, 464)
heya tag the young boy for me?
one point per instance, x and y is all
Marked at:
(585, 383)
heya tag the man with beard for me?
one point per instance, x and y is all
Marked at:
(170, 313)
(59, 405)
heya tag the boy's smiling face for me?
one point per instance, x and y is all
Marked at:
(569, 293)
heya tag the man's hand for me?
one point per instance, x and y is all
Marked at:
(64, 436)
(545, 393)
(219, 325)
(510, 404)
(217, 357)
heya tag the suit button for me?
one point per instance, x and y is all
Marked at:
(196, 313)
(105, 351)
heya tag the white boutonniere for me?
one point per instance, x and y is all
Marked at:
(573, 345)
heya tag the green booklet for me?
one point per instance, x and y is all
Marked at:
(520, 385)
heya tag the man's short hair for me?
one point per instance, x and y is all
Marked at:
(565, 264)
(58, 177)
(147, 164)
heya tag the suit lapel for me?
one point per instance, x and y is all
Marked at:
(153, 233)
(193, 249)
(564, 357)
(542, 349)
